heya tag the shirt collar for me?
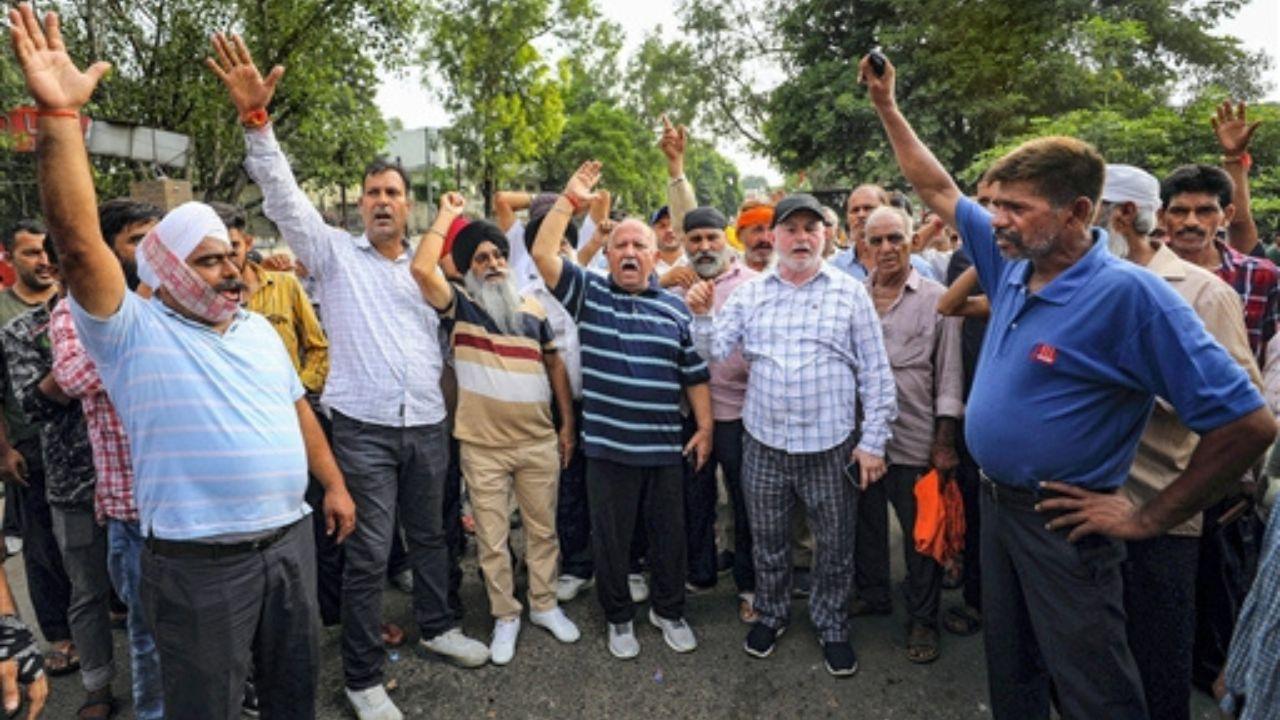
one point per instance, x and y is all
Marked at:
(1061, 289)
(913, 279)
(363, 243)
(824, 270)
(1166, 264)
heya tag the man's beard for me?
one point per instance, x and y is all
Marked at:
(500, 300)
(709, 264)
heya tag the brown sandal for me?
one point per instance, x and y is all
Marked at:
(922, 644)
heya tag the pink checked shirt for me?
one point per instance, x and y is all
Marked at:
(728, 376)
(78, 377)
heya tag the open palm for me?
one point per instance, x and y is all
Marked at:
(52, 79)
(236, 69)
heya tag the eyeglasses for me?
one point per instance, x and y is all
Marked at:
(486, 257)
(893, 238)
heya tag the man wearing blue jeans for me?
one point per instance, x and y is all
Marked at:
(124, 223)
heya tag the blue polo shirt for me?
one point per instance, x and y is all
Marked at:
(1067, 375)
(637, 358)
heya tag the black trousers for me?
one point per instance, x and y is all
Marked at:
(573, 516)
(969, 477)
(1160, 601)
(618, 493)
(211, 616)
(871, 548)
(1055, 612)
(47, 581)
(700, 516)
(1226, 568)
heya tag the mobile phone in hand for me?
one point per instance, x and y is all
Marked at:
(878, 62)
(854, 473)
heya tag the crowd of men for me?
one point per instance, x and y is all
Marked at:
(1085, 351)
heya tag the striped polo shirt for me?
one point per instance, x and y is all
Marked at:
(504, 397)
(637, 358)
(217, 449)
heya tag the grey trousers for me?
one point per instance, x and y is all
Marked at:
(83, 543)
(212, 616)
(924, 575)
(772, 482)
(391, 472)
(1055, 615)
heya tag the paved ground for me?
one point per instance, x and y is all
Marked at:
(549, 680)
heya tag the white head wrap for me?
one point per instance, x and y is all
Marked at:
(1126, 183)
(181, 230)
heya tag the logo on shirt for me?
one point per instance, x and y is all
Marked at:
(1044, 353)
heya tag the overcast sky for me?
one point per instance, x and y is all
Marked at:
(406, 98)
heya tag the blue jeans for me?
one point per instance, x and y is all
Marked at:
(124, 556)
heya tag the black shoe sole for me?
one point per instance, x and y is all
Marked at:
(762, 655)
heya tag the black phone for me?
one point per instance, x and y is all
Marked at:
(878, 61)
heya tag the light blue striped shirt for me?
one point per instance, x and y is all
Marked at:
(217, 449)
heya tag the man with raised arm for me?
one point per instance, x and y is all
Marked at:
(812, 340)
(508, 374)
(1079, 345)
(638, 365)
(389, 430)
(220, 432)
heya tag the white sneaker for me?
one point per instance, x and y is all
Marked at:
(677, 633)
(569, 586)
(373, 704)
(622, 641)
(503, 646)
(459, 649)
(639, 588)
(557, 622)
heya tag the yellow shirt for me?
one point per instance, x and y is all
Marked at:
(282, 301)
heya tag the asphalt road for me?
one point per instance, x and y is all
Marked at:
(718, 680)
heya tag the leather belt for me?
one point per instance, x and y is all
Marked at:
(194, 549)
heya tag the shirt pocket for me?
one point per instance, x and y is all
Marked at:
(909, 340)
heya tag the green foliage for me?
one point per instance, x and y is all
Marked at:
(971, 74)
(634, 169)
(323, 113)
(506, 100)
(714, 178)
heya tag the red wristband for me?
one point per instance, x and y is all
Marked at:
(255, 118)
(1243, 158)
(572, 203)
(56, 112)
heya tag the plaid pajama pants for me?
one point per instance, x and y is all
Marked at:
(772, 481)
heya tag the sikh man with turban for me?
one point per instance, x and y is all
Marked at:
(221, 434)
(508, 370)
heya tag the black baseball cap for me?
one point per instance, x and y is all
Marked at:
(794, 203)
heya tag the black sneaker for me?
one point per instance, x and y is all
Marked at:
(840, 658)
(762, 639)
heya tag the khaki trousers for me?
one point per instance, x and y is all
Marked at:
(533, 472)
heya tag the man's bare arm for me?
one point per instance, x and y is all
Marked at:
(546, 246)
(1234, 131)
(931, 181)
(60, 90)
(436, 290)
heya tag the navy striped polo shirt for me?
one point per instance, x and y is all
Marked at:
(637, 358)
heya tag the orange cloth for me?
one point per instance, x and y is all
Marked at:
(939, 530)
(759, 215)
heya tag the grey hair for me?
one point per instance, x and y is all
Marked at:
(908, 227)
(638, 222)
(1145, 221)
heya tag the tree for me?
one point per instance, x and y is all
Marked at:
(965, 79)
(634, 169)
(665, 77)
(323, 114)
(505, 99)
(713, 176)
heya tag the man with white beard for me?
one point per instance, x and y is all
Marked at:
(508, 370)
(710, 257)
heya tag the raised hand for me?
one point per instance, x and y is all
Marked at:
(580, 185)
(1233, 129)
(600, 207)
(55, 83)
(234, 67)
(452, 204)
(673, 140)
(879, 87)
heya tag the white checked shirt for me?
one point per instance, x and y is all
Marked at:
(384, 352)
(812, 350)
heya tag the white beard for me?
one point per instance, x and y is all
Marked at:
(500, 300)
